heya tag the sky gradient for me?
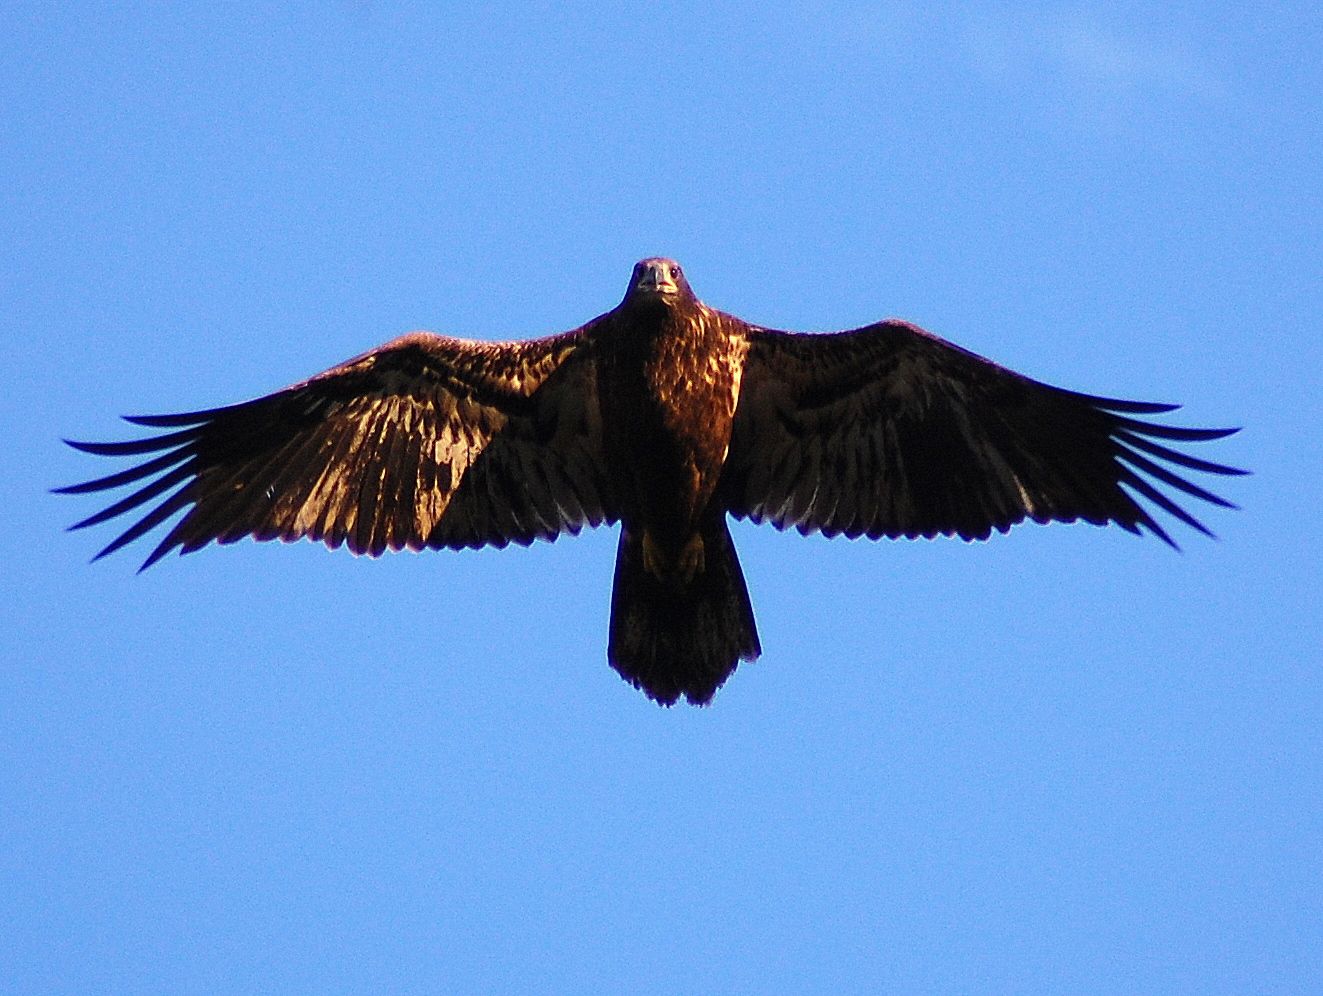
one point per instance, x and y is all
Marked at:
(1065, 759)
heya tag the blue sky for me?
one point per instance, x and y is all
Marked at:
(1065, 759)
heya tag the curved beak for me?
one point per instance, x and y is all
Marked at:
(656, 279)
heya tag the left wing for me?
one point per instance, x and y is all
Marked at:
(425, 441)
(889, 430)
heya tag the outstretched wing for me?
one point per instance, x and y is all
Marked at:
(891, 431)
(426, 441)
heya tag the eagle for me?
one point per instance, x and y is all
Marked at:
(666, 416)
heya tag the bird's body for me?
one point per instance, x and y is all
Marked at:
(663, 415)
(668, 383)
(669, 373)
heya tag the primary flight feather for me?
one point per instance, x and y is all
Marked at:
(663, 415)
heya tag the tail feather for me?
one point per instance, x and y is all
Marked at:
(672, 638)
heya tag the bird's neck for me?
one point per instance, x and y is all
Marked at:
(664, 325)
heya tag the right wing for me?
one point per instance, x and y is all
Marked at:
(427, 441)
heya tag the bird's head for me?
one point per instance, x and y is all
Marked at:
(658, 280)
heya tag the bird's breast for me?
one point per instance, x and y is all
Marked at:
(668, 402)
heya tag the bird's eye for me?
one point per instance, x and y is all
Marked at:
(675, 271)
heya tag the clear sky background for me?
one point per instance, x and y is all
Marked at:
(1066, 759)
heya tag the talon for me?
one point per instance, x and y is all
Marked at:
(654, 561)
(692, 558)
(688, 565)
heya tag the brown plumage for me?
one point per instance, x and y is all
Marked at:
(663, 415)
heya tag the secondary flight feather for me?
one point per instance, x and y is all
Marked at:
(665, 416)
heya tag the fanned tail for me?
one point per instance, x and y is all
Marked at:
(671, 637)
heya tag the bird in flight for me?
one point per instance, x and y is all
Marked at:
(665, 416)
